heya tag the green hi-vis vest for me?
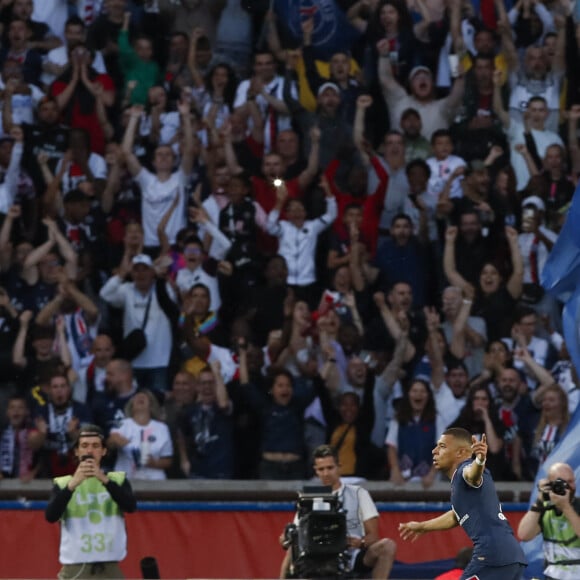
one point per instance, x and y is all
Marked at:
(561, 546)
(92, 526)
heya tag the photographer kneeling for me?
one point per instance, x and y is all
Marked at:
(369, 555)
(556, 515)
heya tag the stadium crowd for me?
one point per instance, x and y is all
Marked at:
(226, 250)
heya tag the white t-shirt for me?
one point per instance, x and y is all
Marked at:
(156, 198)
(153, 440)
(441, 169)
(23, 106)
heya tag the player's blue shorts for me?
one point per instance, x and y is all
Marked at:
(478, 571)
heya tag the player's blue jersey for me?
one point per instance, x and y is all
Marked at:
(478, 511)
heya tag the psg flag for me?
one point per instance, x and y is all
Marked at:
(332, 31)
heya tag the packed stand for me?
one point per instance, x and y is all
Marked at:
(226, 250)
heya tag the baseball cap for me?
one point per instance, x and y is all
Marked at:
(419, 69)
(142, 259)
(328, 85)
(536, 201)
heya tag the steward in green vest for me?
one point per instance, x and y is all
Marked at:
(90, 506)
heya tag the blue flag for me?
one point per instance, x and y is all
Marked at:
(561, 273)
(561, 277)
(332, 31)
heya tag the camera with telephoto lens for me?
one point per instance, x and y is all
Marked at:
(317, 540)
(558, 486)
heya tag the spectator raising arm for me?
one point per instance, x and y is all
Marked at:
(516, 280)
(362, 104)
(18, 350)
(392, 90)
(449, 266)
(64, 247)
(305, 178)
(392, 324)
(433, 323)
(498, 107)
(9, 188)
(504, 29)
(187, 155)
(458, 344)
(198, 81)
(133, 165)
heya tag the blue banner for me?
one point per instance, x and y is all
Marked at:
(332, 31)
(561, 277)
(561, 272)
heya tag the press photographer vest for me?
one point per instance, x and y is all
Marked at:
(92, 526)
(350, 503)
(561, 545)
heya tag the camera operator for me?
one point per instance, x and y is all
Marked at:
(369, 555)
(90, 506)
(556, 516)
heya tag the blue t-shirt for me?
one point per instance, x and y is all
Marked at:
(478, 511)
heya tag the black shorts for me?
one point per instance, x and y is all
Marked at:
(477, 571)
(360, 569)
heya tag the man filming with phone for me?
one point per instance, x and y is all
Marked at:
(556, 516)
(90, 506)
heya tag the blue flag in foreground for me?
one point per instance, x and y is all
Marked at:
(561, 277)
(562, 270)
(332, 30)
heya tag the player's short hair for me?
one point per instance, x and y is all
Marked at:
(462, 435)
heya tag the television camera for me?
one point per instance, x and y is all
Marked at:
(317, 537)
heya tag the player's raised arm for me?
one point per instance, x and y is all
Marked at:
(473, 473)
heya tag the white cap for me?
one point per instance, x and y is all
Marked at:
(536, 201)
(328, 85)
(142, 259)
(418, 69)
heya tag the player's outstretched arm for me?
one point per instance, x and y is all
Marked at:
(412, 530)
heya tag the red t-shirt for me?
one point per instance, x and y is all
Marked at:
(372, 204)
(89, 122)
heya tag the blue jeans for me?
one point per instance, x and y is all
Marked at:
(154, 379)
